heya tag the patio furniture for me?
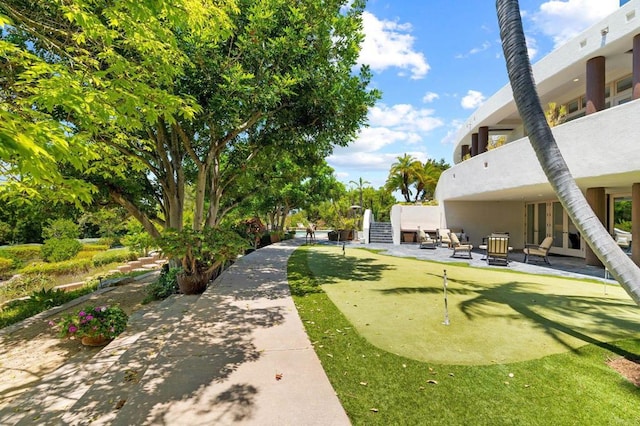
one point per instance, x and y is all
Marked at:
(460, 248)
(623, 239)
(444, 236)
(425, 240)
(541, 250)
(497, 250)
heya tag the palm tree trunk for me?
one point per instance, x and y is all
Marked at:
(549, 156)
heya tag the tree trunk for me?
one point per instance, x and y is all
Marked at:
(544, 144)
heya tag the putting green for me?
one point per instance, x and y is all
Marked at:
(495, 315)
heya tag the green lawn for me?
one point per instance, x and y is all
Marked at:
(520, 349)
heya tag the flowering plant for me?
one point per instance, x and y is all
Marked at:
(94, 321)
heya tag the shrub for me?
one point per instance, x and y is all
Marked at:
(111, 256)
(59, 249)
(94, 321)
(21, 254)
(164, 286)
(72, 266)
(61, 228)
(94, 247)
(5, 266)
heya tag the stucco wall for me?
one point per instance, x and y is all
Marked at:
(479, 219)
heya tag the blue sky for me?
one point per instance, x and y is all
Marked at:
(435, 62)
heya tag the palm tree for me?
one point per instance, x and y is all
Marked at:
(360, 184)
(402, 175)
(549, 156)
(426, 178)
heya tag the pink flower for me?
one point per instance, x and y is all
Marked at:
(73, 328)
(82, 313)
(89, 317)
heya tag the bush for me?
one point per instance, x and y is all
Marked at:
(73, 266)
(60, 249)
(94, 247)
(164, 286)
(60, 229)
(21, 254)
(111, 256)
(5, 266)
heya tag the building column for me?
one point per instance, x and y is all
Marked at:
(636, 67)
(483, 139)
(465, 152)
(595, 84)
(635, 223)
(598, 202)
(474, 144)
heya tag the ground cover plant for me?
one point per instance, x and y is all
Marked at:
(378, 386)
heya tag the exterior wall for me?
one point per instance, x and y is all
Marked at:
(600, 146)
(408, 218)
(480, 218)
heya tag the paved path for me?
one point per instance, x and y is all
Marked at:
(238, 354)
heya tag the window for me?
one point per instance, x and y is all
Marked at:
(624, 84)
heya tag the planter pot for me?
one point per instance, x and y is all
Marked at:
(333, 236)
(95, 340)
(193, 283)
(346, 234)
(409, 237)
(275, 238)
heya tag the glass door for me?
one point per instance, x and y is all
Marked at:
(550, 219)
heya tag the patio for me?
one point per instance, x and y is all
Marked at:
(564, 266)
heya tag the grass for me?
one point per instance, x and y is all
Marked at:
(378, 386)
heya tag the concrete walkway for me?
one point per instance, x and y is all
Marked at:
(238, 354)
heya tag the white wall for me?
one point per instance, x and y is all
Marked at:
(479, 219)
(403, 217)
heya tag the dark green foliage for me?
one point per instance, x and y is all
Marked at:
(165, 286)
(60, 249)
(48, 298)
(18, 310)
(61, 228)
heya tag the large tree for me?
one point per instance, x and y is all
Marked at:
(77, 73)
(544, 144)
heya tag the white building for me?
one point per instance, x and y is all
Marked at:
(596, 76)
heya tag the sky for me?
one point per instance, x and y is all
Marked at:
(435, 62)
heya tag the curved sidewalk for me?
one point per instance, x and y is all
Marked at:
(242, 356)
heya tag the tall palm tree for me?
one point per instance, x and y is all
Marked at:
(402, 175)
(426, 178)
(549, 156)
(360, 184)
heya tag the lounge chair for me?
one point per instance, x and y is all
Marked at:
(541, 250)
(444, 236)
(460, 248)
(497, 250)
(425, 240)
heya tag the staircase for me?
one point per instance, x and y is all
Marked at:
(381, 232)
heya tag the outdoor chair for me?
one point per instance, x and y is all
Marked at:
(444, 236)
(623, 239)
(541, 250)
(497, 250)
(460, 248)
(425, 240)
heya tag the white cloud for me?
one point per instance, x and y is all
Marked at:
(562, 20)
(451, 137)
(404, 117)
(387, 44)
(472, 100)
(486, 45)
(430, 97)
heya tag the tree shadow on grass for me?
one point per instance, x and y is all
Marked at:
(335, 268)
(605, 314)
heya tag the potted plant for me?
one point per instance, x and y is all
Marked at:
(94, 325)
(201, 254)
